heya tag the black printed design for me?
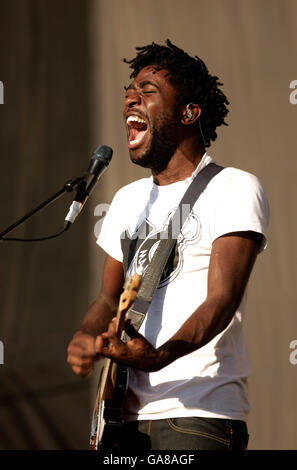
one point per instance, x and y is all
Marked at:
(139, 247)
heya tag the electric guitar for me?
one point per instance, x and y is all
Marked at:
(113, 381)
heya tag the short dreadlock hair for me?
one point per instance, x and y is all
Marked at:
(192, 79)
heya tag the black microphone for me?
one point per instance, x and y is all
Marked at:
(99, 162)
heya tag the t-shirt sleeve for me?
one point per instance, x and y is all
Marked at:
(109, 238)
(241, 206)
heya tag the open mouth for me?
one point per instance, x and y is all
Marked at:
(137, 128)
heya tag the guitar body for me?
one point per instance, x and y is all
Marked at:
(107, 417)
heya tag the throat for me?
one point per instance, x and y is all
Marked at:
(178, 169)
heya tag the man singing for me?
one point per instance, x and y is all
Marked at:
(188, 364)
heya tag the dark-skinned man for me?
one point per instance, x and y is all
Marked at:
(188, 363)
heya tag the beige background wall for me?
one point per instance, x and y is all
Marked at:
(63, 76)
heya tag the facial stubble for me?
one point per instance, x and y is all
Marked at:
(163, 144)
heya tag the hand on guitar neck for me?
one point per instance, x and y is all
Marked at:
(137, 353)
(90, 343)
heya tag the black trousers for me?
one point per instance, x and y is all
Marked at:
(189, 433)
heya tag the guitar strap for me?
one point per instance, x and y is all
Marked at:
(168, 238)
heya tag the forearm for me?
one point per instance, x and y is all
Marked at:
(231, 263)
(202, 326)
(210, 319)
(98, 316)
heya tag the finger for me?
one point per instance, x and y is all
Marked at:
(82, 372)
(109, 346)
(102, 343)
(76, 350)
(98, 343)
(112, 327)
(79, 362)
(86, 345)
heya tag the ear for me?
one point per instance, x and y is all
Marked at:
(190, 113)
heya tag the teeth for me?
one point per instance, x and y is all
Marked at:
(135, 118)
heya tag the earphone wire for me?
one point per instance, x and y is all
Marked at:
(190, 116)
(201, 132)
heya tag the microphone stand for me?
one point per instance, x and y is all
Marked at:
(68, 187)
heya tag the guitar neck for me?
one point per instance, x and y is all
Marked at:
(131, 287)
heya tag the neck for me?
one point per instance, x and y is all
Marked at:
(182, 164)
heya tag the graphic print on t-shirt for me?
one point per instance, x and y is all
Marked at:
(139, 247)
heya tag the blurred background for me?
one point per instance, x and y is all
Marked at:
(63, 76)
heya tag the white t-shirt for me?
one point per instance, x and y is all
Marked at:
(211, 381)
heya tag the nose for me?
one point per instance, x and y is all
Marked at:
(132, 99)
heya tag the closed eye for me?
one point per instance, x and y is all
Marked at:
(142, 92)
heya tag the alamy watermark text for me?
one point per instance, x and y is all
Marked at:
(293, 94)
(177, 223)
(1, 352)
(293, 354)
(1, 93)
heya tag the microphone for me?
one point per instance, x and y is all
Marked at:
(99, 162)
